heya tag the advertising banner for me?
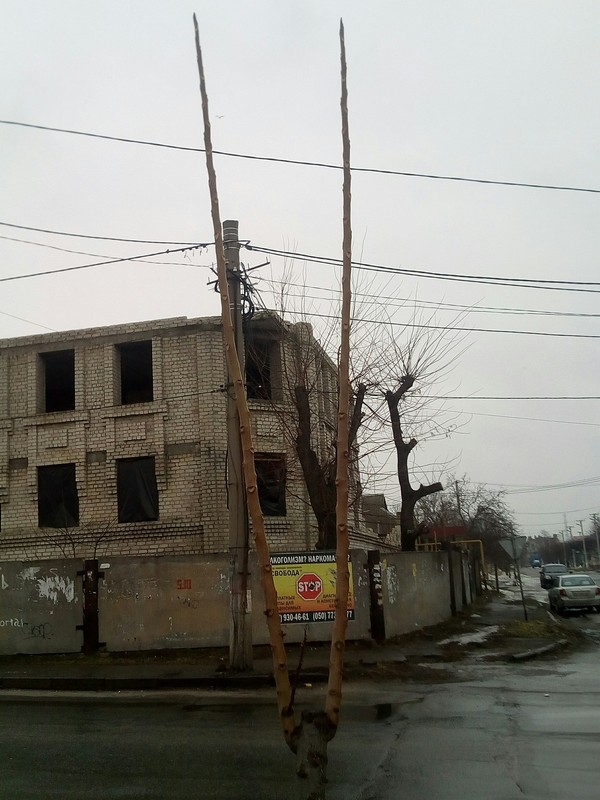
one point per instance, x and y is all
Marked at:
(305, 584)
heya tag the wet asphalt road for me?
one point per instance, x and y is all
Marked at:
(499, 731)
(528, 730)
(182, 746)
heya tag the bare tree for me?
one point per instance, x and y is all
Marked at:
(551, 549)
(81, 540)
(483, 513)
(416, 362)
(410, 496)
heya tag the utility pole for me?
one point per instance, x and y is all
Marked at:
(585, 558)
(595, 523)
(458, 506)
(562, 533)
(518, 570)
(573, 551)
(240, 634)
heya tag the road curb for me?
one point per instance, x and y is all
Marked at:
(120, 684)
(539, 651)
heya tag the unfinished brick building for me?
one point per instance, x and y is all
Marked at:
(113, 440)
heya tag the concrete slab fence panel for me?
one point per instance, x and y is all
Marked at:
(164, 602)
(40, 607)
(416, 590)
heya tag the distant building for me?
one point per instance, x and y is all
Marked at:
(384, 524)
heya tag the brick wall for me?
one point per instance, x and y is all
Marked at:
(183, 428)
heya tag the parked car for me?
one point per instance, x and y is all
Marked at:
(574, 591)
(549, 572)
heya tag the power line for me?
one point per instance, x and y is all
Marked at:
(522, 283)
(425, 305)
(514, 397)
(553, 513)
(319, 164)
(100, 255)
(102, 238)
(527, 419)
(28, 321)
(457, 328)
(551, 487)
(96, 264)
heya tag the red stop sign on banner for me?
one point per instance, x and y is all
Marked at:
(309, 586)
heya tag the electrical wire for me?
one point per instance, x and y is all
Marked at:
(103, 238)
(553, 487)
(263, 307)
(425, 305)
(527, 419)
(100, 255)
(319, 164)
(458, 328)
(513, 397)
(96, 264)
(486, 280)
(555, 513)
(28, 321)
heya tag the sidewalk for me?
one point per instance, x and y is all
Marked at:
(493, 629)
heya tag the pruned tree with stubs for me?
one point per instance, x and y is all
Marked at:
(412, 362)
(410, 496)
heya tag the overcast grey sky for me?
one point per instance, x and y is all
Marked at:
(505, 91)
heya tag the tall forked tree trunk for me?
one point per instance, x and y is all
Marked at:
(309, 739)
(409, 496)
(280, 667)
(338, 634)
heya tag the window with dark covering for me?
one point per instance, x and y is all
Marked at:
(270, 475)
(136, 372)
(258, 369)
(59, 380)
(58, 502)
(137, 493)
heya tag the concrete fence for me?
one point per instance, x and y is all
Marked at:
(420, 589)
(184, 602)
(40, 607)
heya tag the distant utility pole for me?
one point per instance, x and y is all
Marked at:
(585, 558)
(240, 635)
(594, 519)
(573, 550)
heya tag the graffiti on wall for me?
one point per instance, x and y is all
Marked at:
(42, 630)
(52, 587)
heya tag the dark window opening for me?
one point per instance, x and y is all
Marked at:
(136, 372)
(59, 380)
(258, 369)
(137, 493)
(271, 476)
(58, 502)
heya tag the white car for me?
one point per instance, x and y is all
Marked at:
(574, 591)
